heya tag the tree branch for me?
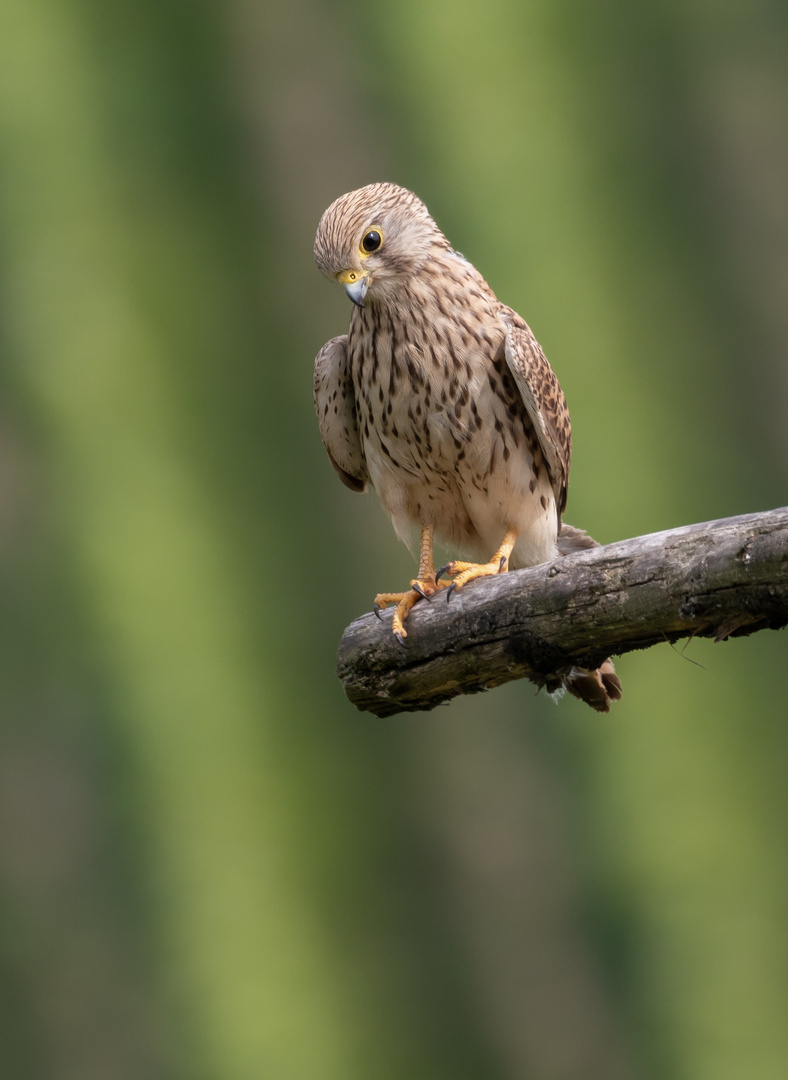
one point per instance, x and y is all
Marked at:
(718, 579)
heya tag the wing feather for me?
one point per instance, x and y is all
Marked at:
(543, 399)
(335, 405)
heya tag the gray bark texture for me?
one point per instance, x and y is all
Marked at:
(718, 579)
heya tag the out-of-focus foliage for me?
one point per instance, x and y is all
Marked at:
(210, 866)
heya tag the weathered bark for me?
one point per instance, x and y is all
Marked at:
(718, 579)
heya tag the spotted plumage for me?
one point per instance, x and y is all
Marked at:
(440, 397)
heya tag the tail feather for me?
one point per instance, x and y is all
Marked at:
(571, 540)
(600, 687)
(596, 688)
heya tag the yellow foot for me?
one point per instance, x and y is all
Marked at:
(463, 572)
(420, 589)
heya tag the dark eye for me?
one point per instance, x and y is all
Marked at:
(371, 241)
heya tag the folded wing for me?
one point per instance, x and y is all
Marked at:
(335, 405)
(543, 399)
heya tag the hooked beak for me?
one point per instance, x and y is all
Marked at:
(356, 285)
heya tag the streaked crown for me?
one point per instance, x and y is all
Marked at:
(406, 232)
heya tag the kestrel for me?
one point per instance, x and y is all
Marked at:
(440, 398)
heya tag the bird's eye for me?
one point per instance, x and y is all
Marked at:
(371, 242)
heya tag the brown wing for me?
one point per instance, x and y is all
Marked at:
(543, 399)
(335, 406)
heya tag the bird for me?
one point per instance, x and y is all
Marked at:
(440, 398)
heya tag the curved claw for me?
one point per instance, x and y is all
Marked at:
(502, 564)
(400, 638)
(416, 586)
(376, 611)
(442, 571)
(449, 591)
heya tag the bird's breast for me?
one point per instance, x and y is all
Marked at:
(444, 431)
(417, 395)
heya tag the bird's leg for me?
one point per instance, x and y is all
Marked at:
(422, 586)
(463, 572)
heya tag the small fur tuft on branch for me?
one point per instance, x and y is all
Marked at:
(718, 579)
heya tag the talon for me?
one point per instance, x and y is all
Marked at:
(422, 587)
(442, 571)
(449, 591)
(502, 564)
(377, 609)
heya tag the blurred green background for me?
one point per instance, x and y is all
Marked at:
(211, 866)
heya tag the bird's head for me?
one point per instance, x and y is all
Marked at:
(370, 239)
